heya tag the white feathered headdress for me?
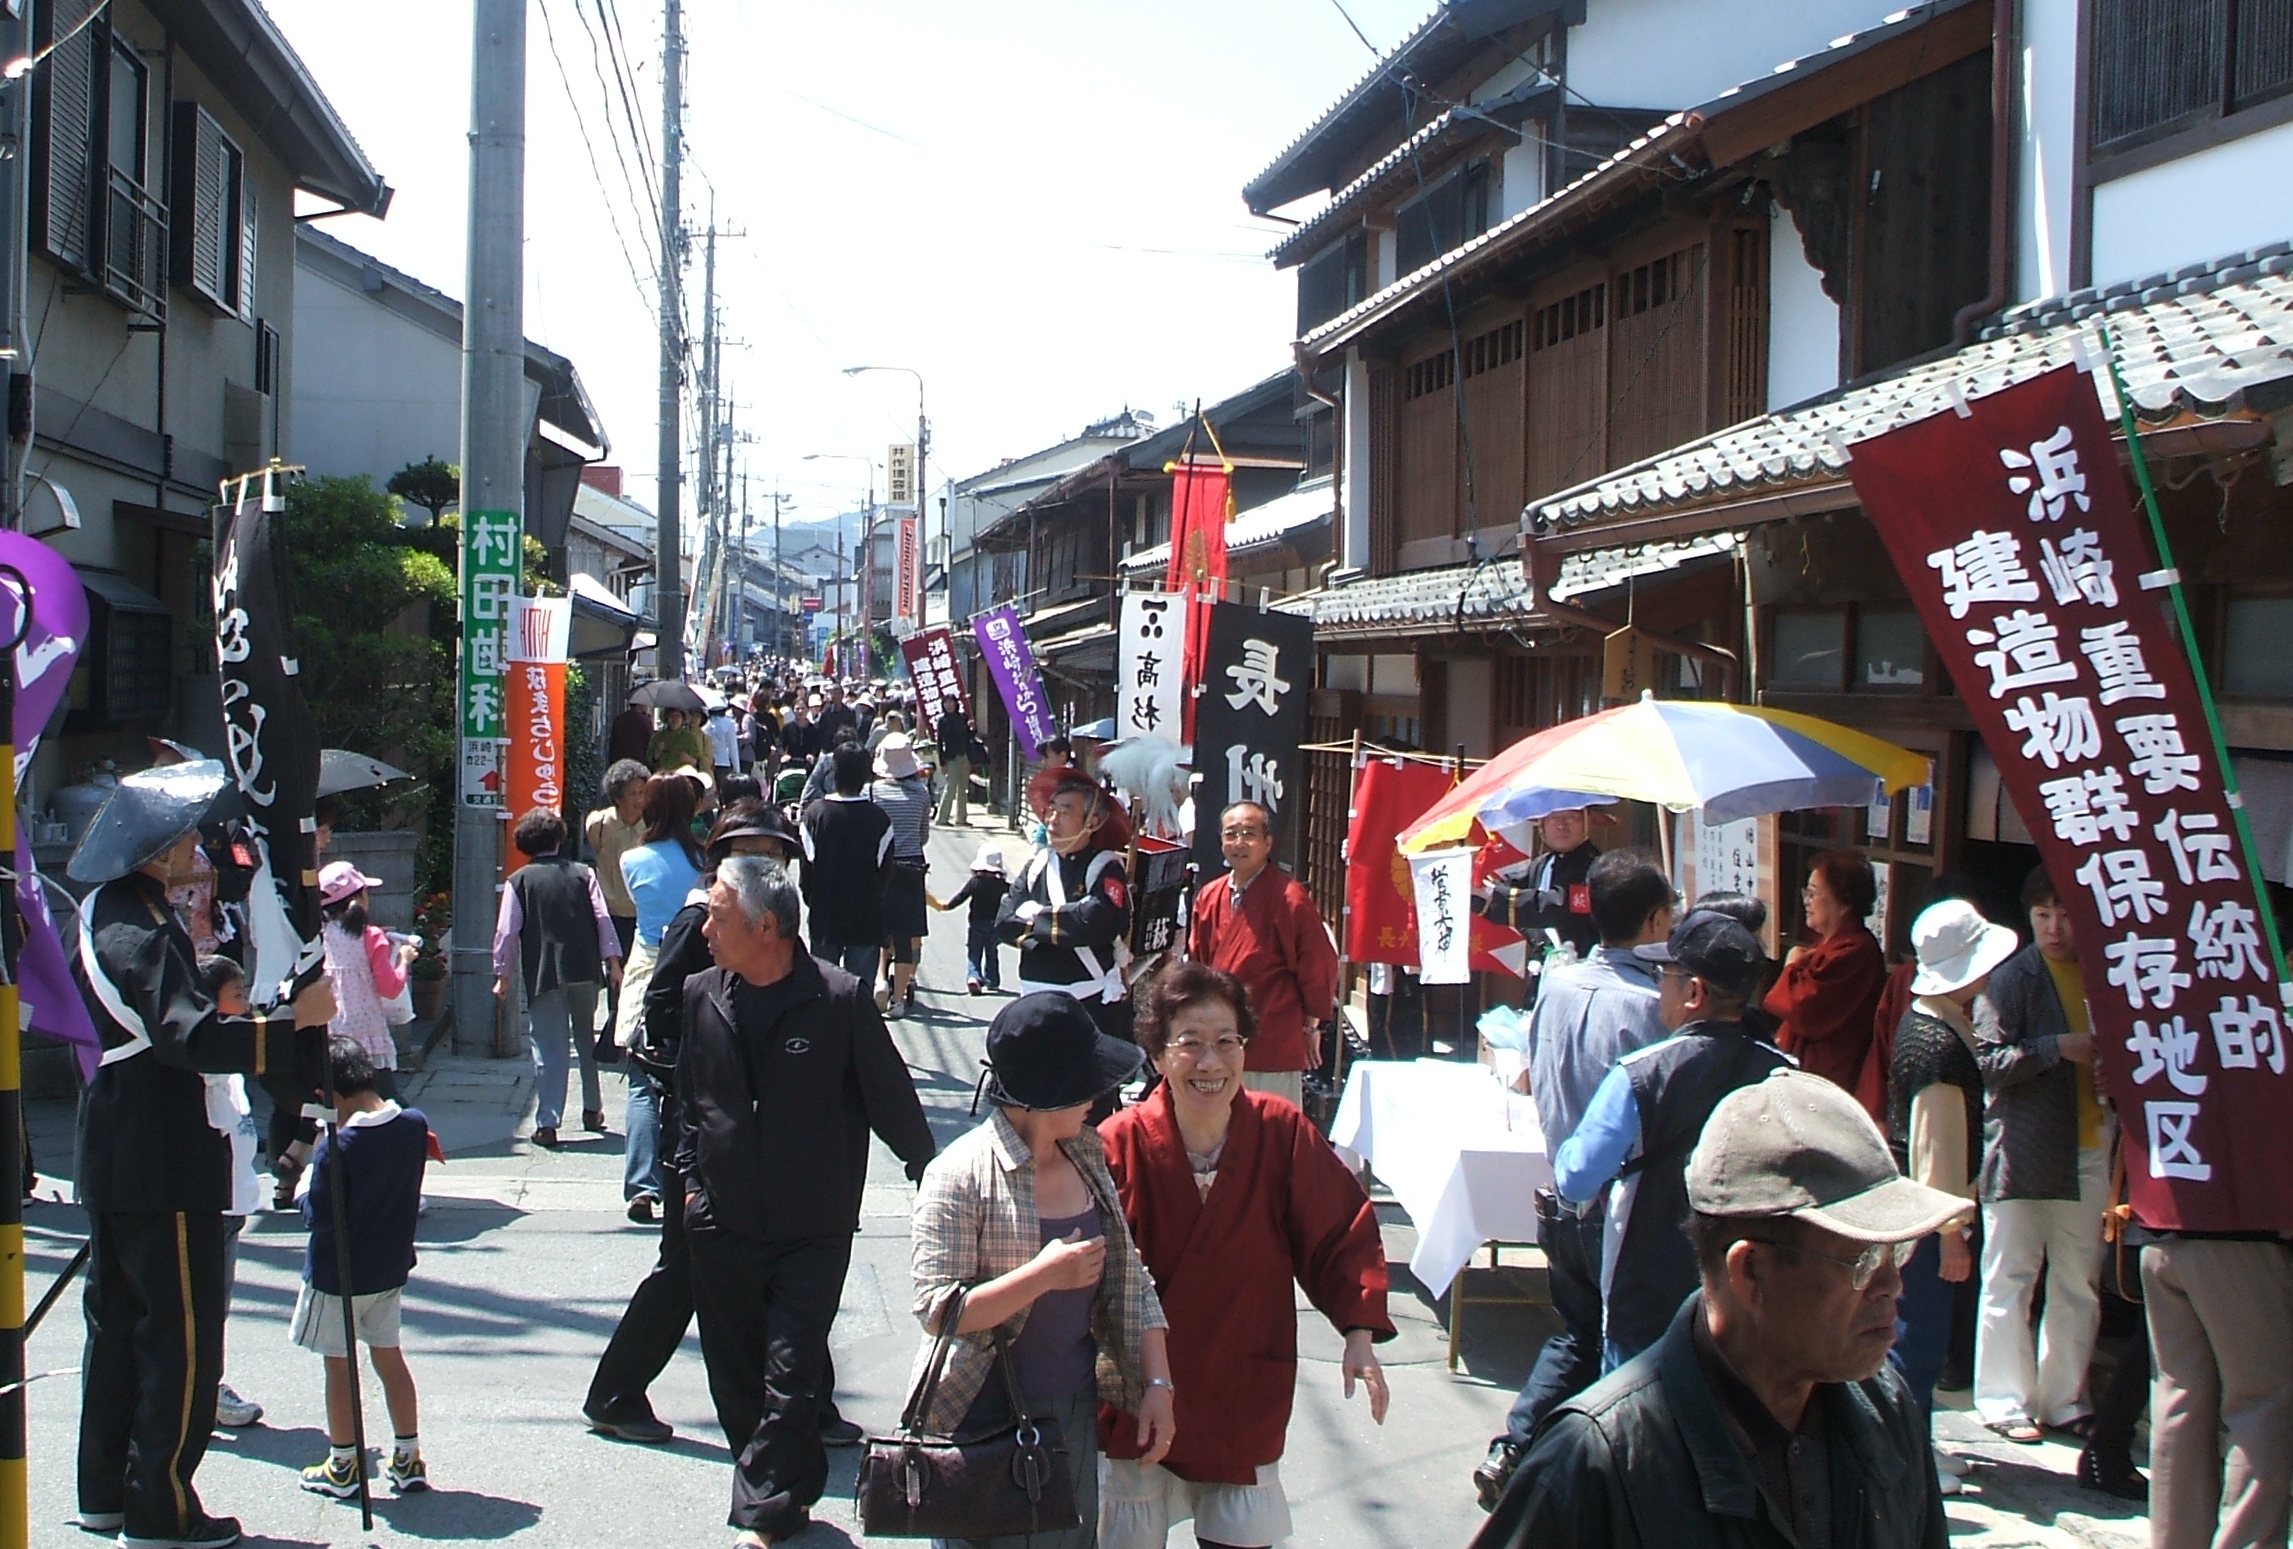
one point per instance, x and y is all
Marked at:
(1152, 770)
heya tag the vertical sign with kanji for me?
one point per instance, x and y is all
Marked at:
(1257, 682)
(939, 686)
(533, 684)
(2011, 526)
(1150, 688)
(491, 545)
(1011, 663)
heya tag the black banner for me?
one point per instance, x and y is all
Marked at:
(270, 744)
(1257, 682)
(1156, 892)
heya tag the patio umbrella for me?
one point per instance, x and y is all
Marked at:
(340, 771)
(1686, 755)
(667, 694)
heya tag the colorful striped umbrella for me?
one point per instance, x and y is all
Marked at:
(1687, 755)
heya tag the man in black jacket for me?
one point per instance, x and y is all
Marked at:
(155, 1166)
(784, 1071)
(847, 862)
(1767, 1416)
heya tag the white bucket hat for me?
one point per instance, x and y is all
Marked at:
(1957, 946)
(989, 858)
(896, 757)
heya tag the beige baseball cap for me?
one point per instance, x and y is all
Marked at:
(1798, 1145)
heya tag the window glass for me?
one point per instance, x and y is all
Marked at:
(1890, 650)
(2255, 656)
(1810, 650)
(126, 139)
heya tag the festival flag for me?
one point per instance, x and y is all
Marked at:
(1201, 504)
(1443, 886)
(270, 743)
(930, 656)
(53, 638)
(1011, 663)
(1259, 672)
(1381, 912)
(1497, 948)
(534, 696)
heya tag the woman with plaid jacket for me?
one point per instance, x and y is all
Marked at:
(1021, 1217)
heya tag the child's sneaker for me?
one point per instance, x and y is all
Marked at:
(338, 1478)
(408, 1473)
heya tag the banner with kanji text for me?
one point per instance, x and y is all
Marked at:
(1249, 722)
(534, 697)
(1011, 663)
(492, 544)
(2011, 525)
(1381, 911)
(1150, 689)
(930, 656)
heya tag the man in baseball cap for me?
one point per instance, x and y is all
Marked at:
(1629, 1153)
(1767, 1413)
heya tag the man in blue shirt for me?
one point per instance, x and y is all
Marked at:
(1589, 1015)
(1643, 1120)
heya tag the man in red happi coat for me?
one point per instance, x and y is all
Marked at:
(1259, 924)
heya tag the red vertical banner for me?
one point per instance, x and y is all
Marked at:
(2011, 525)
(533, 710)
(1201, 500)
(930, 656)
(1381, 909)
(908, 572)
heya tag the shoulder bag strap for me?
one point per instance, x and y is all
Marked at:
(927, 1381)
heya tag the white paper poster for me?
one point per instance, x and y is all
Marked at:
(1443, 883)
(1728, 857)
(1150, 685)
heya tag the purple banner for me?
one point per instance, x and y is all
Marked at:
(1003, 641)
(52, 643)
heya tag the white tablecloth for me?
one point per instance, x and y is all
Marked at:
(1464, 1157)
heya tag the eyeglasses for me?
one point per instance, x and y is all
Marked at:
(1243, 833)
(1191, 1050)
(1863, 1266)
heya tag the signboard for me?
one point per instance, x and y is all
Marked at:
(1150, 689)
(931, 664)
(1443, 882)
(492, 542)
(1156, 893)
(534, 697)
(2010, 524)
(1249, 722)
(1628, 664)
(1003, 640)
(908, 572)
(900, 474)
(809, 604)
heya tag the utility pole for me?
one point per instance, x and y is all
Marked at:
(493, 492)
(15, 147)
(668, 559)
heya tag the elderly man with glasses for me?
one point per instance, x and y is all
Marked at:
(1767, 1414)
(1259, 924)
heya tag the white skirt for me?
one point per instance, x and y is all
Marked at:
(1137, 1506)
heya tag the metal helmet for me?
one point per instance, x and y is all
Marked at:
(148, 812)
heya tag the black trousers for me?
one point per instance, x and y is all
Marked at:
(765, 1310)
(1570, 1359)
(154, 1305)
(653, 1324)
(287, 1122)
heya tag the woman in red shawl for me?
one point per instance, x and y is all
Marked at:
(1828, 994)
(1231, 1196)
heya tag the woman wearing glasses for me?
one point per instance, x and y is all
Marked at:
(1935, 1125)
(1232, 1197)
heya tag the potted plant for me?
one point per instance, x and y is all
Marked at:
(435, 920)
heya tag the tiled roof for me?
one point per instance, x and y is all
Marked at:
(1257, 528)
(1490, 594)
(1597, 570)
(2188, 343)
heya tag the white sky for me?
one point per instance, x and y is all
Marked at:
(1045, 218)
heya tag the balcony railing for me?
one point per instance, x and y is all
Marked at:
(135, 249)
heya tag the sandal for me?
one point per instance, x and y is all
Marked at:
(2080, 1430)
(2021, 1432)
(283, 1194)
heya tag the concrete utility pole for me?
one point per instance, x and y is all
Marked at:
(493, 474)
(15, 145)
(668, 558)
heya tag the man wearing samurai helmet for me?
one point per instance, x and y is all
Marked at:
(155, 1166)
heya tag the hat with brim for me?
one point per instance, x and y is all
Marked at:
(989, 858)
(896, 757)
(1045, 1053)
(1956, 947)
(762, 822)
(1800, 1146)
(146, 813)
(339, 880)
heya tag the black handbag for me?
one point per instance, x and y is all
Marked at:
(1015, 1479)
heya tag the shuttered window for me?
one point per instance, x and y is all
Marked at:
(2165, 65)
(64, 159)
(215, 215)
(91, 210)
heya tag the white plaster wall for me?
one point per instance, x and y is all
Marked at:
(2047, 113)
(1388, 246)
(1469, 704)
(1521, 176)
(1803, 322)
(1678, 53)
(373, 391)
(1353, 543)
(2219, 201)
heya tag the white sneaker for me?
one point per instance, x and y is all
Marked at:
(233, 1411)
(1951, 1466)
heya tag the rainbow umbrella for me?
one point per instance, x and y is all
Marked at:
(1686, 755)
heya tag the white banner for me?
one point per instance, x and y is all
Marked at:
(1150, 682)
(541, 629)
(1443, 882)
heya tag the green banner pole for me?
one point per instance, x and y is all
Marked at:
(2173, 589)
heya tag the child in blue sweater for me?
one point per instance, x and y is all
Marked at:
(382, 1149)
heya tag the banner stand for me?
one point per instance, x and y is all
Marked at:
(2171, 578)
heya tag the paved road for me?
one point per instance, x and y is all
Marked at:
(526, 1261)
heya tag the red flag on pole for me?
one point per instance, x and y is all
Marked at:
(1201, 499)
(1381, 911)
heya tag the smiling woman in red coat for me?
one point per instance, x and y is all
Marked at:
(1231, 1196)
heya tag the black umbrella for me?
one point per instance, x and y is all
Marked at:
(668, 694)
(339, 771)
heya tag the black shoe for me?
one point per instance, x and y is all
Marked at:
(546, 1137)
(2117, 1476)
(1495, 1472)
(641, 1209)
(593, 1120)
(206, 1533)
(645, 1428)
(841, 1432)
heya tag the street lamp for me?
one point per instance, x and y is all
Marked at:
(923, 439)
(868, 549)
